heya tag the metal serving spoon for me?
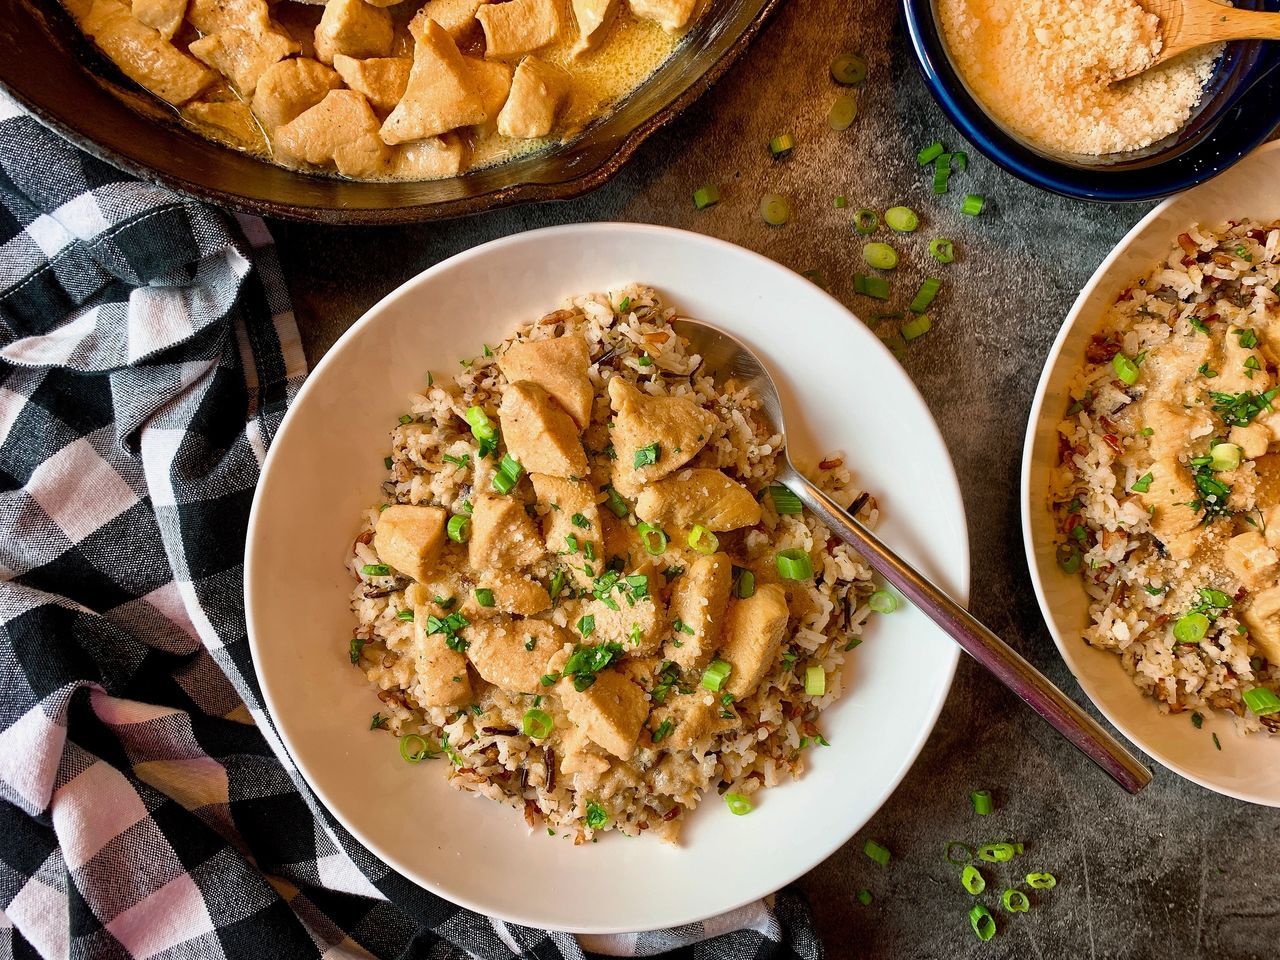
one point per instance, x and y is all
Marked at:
(1186, 24)
(724, 357)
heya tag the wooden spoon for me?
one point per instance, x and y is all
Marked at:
(1186, 24)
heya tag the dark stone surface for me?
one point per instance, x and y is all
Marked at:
(1176, 872)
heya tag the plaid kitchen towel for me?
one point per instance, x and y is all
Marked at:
(147, 809)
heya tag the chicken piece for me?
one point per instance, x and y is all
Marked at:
(611, 712)
(639, 626)
(1252, 562)
(355, 28)
(458, 17)
(571, 512)
(443, 680)
(593, 18)
(689, 720)
(444, 156)
(1253, 439)
(513, 593)
(699, 600)
(409, 538)
(1171, 371)
(538, 433)
(492, 81)
(163, 16)
(439, 95)
(513, 654)
(698, 496)
(143, 55)
(1174, 428)
(230, 120)
(583, 760)
(213, 16)
(1169, 498)
(289, 88)
(1267, 494)
(753, 633)
(502, 535)
(672, 15)
(559, 366)
(537, 92)
(381, 79)
(1242, 368)
(1262, 617)
(518, 26)
(341, 128)
(666, 433)
(243, 56)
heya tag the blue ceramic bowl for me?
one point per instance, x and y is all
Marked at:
(1239, 110)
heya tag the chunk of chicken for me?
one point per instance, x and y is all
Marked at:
(502, 534)
(228, 119)
(213, 16)
(381, 79)
(458, 17)
(672, 15)
(143, 55)
(289, 88)
(639, 626)
(1169, 498)
(667, 430)
(611, 712)
(1242, 368)
(343, 129)
(1267, 470)
(513, 593)
(441, 672)
(1174, 428)
(513, 654)
(1262, 617)
(1253, 440)
(442, 156)
(559, 366)
(439, 96)
(1252, 562)
(1171, 371)
(698, 496)
(538, 433)
(537, 92)
(518, 26)
(163, 16)
(699, 600)
(492, 80)
(753, 632)
(583, 760)
(243, 56)
(355, 28)
(690, 720)
(409, 538)
(571, 512)
(593, 18)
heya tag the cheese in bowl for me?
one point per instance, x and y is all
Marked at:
(582, 592)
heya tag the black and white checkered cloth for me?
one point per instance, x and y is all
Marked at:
(147, 356)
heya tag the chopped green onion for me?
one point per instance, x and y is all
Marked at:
(357, 647)
(983, 923)
(557, 585)
(714, 676)
(746, 586)
(815, 681)
(1191, 628)
(880, 255)
(880, 854)
(1261, 701)
(596, 817)
(482, 427)
(1069, 558)
(941, 173)
(617, 506)
(376, 570)
(982, 803)
(708, 195)
(775, 209)
(929, 154)
(973, 880)
(942, 249)
(1015, 901)
(963, 848)
(782, 145)
(996, 852)
(1143, 483)
(703, 540)
(973, 205)
(1125, 369)
(414, 748)
(784, 501)
(882, 601)
(387, 462)
(842, 113)
(794, 564)
(739, 805)
(587, 625)
(960, 161)
(1224, 456)
(537, 724)
(647, 455)
(405, 419)
(901, 219)
(653, 538)
(916, 327)
(503, 483)
(866, 221)
(924, 296)
(484, 597)
(848, 69)
(1041, 881)
(458, 528)
(864, 897)
(876, 287)
(405, 615)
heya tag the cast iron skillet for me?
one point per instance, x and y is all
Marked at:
(48, 65)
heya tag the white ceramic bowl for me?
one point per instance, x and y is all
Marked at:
(845, 391)
(1246, 767)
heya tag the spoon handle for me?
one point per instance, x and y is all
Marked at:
(979, 642)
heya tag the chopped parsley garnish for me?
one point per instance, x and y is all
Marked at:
(1197, 719)
(1198, 324)
(1248, 338)
(449, 626)
(357, 646)
(1143, 483)
(379, 722)
(586, 626)
(1204, 371)
(596, 816)
(1213, 492)
(579, 520)
(681, 627)
(557, 585)
(664, 728)
(646, 456)
(586, 661)
(531, 643)
(666, 677)
(1239, 409)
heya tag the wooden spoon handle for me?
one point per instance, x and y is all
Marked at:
(1206, 22)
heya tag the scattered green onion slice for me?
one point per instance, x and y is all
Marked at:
(1126, 370)
(775, 209)
(707, 195)
(963, 848)
(983, 923)
(746, 588)
(848, 69)
(1224, 456)
(973, 204)
(973, 880)
(941, 173)
(815, 681)
(784, 501)
(924, 296)
(714, 676)
(1069, 558)
(929, 154)
(617, 506)
(866, 221)
(1015, 901)
(782, 145)
(882, 601)
(537, 724)
(597, 816)
(703, 540)
(916, 327)
(1041, 881)
(982, 802)
(942, 249)
(876, 287)
(405, 616)
(1191, 628)
(376, 570)
(1261, 701)
(414, 748)
(880, 255)
(959, 161)
(877, 852)
(901, 219)
(484, 597)
(653, 538)
(738, 804)
(459, 528)
(503, 483)
(996, 852)
(843, 111)
(794, 564)
(482, 427)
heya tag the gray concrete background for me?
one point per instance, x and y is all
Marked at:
(1177, 872)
